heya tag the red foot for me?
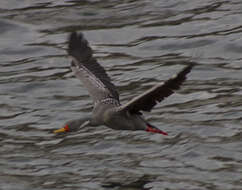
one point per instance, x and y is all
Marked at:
(153, 130)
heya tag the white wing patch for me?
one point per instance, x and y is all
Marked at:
(88, 74)
(95, 87)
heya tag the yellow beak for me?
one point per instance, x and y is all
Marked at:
(61, 130)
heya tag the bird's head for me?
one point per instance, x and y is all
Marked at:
(72, 125)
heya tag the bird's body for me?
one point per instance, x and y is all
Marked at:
(103, 111)
(106, 112)
(107, 108)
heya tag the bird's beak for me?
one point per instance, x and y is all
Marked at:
(63, 129)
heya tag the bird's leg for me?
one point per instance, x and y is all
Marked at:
(153, 129)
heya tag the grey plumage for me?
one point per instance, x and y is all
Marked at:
(107, 108)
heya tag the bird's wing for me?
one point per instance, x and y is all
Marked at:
(147, 100)
(87, 69)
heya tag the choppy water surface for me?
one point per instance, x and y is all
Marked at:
(139, 43)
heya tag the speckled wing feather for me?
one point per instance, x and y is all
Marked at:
(147, 100)
(87, 69)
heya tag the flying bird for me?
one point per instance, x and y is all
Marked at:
(107, 109)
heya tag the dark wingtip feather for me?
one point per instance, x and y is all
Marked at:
(76, 42)
(175, 82)
(186, 70)
(72, 41)
(78, 47)
(72, 36)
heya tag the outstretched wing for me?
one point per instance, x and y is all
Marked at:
(147, 100)
(87, 69)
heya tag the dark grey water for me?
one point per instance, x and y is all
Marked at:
(139, 43)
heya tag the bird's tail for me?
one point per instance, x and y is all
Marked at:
(153, 129)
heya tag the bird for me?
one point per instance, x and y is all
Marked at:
(107, 108)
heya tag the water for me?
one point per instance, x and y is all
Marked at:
(139, 43)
